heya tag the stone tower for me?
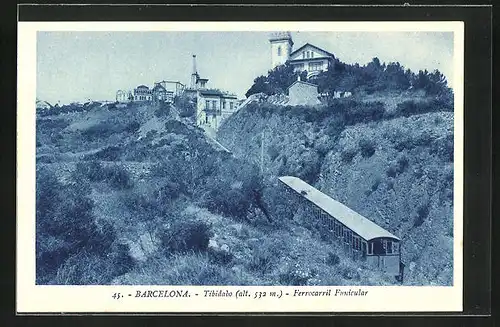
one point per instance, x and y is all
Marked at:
(281, 48)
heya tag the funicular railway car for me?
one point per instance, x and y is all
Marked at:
(360, 237)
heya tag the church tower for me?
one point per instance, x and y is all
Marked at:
(281, 48)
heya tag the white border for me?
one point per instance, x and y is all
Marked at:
(33, 298)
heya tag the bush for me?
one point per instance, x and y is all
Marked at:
(422, 213)
(186, 235)
(332, 259)
(65, 224)
(398, 167)
(230, 202)
(367, 147)
(220, 257)
(266, 254)
(443, 148)
(163, 110)
(413, 107)
(91, 170)
(101, 130)
(118, 178)
(86, 268)
(132, 127)
(348, 154)
(296, 276)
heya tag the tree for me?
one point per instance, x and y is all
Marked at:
(276, 81)
(395, 77)
(260, 85)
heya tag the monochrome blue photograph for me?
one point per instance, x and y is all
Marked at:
(245, 158)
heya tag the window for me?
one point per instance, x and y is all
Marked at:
(231, 105)
(315, 66)
(370, 248)
(279, 51)
(388, 247)
(303, 54)
(207, 104)
(395, 247)
(312, 54)
(356, 243)
(338, 229)
(223, 104)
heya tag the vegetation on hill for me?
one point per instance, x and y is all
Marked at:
(127, 196)
(374, 77)
(135, 194)
(393, 166)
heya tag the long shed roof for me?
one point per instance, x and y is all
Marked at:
(362, 226)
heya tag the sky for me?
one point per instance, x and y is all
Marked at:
(77, 66)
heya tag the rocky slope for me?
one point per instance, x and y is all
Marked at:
(398, 172)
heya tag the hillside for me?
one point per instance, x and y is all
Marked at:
(132, 194)
(392, 164)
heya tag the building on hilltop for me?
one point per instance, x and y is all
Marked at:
(303, 93)
(143, 93)
(174, 87)
(161, 94)
(308, 57)
(124, 96)
(212, 105)
(157, 93)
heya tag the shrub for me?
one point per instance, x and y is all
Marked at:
(376, 184)
(100, 130)
(413, 107)
(230, 202)
(185, 106)
(92, 170)
(367, 147)
(65, 224)
(443, 147)
(266, 254)
(86, 268)
(132, 127)
(220, 257)
(348, 154)
(186, 235)
(332, 259)
(118, 178)
(422, 213)
(163, 110)
(296, 276)
(273, 152)
(398, 167)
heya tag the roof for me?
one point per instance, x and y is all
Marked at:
(159, 87)
(362, 226)
(313, 46)
(143, 87)
(211, 92)
(302, 82)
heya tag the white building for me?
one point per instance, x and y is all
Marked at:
(308, 57)
(214, 106)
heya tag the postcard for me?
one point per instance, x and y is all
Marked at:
(240, 167)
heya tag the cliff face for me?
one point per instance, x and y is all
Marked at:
(397, 172)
